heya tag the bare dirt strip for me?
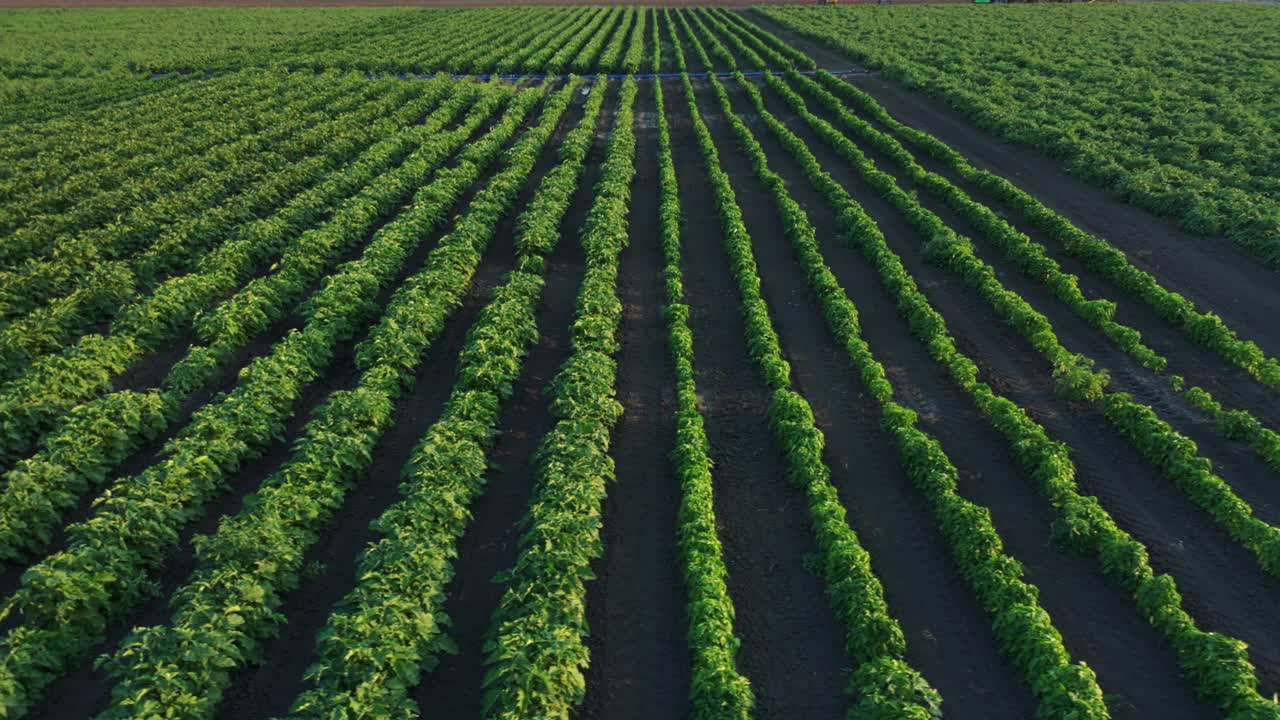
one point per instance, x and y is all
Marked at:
(940, 616)
(640, 664)
(791, 640)
(1133, 662)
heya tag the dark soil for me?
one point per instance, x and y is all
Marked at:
(1215, 273)
(1235, 461)
(792, 642)
(825, 57)
(147, 374)
(636, 606)
(266, 690)
(152, 368)
(692, 62)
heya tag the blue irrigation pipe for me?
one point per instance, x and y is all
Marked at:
(486, 77)
(589, 77)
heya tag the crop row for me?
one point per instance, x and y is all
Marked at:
(231, 602)
(34, 403)
(83, 454)
(1031, 258)
(66, 601)
(883, 682)
(1196, 141)
(246, 151)
(77, 258)
(504, 40)
(1217, 664)
(546, 588)
(1073, 375)
(1035, 263)
(766, 43)
(60, 147)
(717, 690)
(1172, 453)
(1220, 664)
(391, 626)
(67, 168)
(528, 40)
(114, 285)
(1098, 255)
(440, 43)
(52, 49)
(1064, 688)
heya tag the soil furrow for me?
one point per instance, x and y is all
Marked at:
(229, 376)
(1216, 274)
(266, 690)
(640, 661)
(1235, 461)
(792, 644)
(1199, 365)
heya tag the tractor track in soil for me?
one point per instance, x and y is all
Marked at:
(636, 605)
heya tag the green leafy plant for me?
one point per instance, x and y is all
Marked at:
(535, 652)
(717, 690)
(256, 556)
(66, 601)
(1072, 373)
(71, 461)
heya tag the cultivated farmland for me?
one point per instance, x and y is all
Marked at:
(620, 362)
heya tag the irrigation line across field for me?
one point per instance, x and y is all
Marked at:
(486, 77)
(638, 76)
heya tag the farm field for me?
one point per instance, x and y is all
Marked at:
(619, 362)
(1174, 109)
